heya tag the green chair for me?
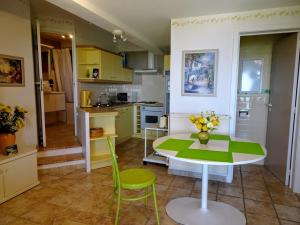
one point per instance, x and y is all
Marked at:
(131, 179)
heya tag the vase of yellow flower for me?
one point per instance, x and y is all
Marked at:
(205, 123)
(10, 122)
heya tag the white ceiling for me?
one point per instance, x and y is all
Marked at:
(147, 22)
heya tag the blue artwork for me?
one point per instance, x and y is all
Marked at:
(199, 72)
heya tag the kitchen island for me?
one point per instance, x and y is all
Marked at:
(96, 149)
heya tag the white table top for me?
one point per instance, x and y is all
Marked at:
(238, 158)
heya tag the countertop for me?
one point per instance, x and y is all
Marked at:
(22, 152)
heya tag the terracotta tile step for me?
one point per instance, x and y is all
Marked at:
(59, 159)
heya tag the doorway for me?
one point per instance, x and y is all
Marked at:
(266, 97)
(56, 90)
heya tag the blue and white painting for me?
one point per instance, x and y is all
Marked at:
(199, 72)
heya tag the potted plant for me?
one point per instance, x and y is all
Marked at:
(205, 123)
(10, 122)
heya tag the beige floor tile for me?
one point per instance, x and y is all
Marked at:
(233, 201)
(288, 199)
(254, 183)
(288, 213)
(6, 219)
(183, 183)
(255, 194)
(17, 206)
(257, 207)
(257, 219)
(43, 213)
(286, 222)
(20, 221)
(231, 191)
(172, 193)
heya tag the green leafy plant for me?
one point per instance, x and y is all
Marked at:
(11, 120)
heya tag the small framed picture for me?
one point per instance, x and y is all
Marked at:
(95, 73)
(11, 71)
(199, 73)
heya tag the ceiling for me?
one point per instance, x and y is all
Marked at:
(147, 23)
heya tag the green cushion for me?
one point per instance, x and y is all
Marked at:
(136, 178)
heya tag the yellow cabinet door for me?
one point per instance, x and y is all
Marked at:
(1, 183)
(117, 68)
(127, 75)
(106, 65)
(88, 56)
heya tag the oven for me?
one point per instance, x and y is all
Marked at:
(150, 115)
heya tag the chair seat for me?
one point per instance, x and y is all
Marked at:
(136, 178)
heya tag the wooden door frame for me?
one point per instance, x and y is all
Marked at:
(296, 91)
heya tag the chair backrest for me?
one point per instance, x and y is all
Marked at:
(115, 167)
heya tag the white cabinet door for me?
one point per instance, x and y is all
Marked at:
(1, 183)
(19, 174)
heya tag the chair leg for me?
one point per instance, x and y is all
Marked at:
(118, 207)
(155, 204)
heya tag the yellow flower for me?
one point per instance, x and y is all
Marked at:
(7, 109)
(201, 119)
(21, 109)
(199, 126)
(192, 118)
(204, 128)
(215, 123)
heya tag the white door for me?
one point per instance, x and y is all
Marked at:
(281, 103)
(39, 84)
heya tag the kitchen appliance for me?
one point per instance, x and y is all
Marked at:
(85, 99)
(163, 121)
(150, 115)
(122, 97)
(145, 62)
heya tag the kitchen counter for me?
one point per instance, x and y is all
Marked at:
(100, 110)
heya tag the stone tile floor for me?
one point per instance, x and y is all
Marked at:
(69, 196)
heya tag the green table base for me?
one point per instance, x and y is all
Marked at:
(182, 147)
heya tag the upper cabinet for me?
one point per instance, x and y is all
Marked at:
(167, 62)
(99, 66)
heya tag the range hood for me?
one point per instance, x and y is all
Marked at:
(144, 62)
(150, 65)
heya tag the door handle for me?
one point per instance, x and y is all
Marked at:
(270, 107)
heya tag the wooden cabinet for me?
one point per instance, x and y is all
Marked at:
(17, 174)
(124, 123)
(1, 184)
(54, 101)
(110, 66)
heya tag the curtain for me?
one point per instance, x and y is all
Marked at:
(63, 72)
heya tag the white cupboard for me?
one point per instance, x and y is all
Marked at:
(18, 173)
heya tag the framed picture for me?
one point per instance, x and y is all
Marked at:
(199, 73)
(11, 71)
(95, 73)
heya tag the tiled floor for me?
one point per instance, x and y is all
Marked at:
(69, 196)
(60, 135)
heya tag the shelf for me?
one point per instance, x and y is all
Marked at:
(103, 137)
(154, 158)
(96, 80)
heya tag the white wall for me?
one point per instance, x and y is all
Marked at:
(221, 32)
(15, 40)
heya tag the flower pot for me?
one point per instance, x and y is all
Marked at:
(6, 140)
(203, 137)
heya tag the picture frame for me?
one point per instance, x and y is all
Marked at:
(95, 73)
(11, 71)
(199, 73)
